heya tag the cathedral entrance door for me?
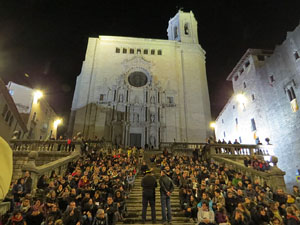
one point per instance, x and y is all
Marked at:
(135, 140)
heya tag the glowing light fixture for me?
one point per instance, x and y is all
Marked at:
(212, 125)
(36, 96)
(241, 99)
(57, 122)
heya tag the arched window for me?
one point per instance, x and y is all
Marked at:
(4, 110)
(186, 29)
(7, 116)
(11, 120)
(291, 93)
(175, 32)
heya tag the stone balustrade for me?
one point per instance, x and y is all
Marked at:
(220, 149)
(181, 148)
(232, 155)
(43, 146)
(274, 177)
(48, 151)
(59, 166)
(4, 207)
(99, 144)
(239, 149)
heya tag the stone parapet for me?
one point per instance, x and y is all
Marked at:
(274, 177)
(232, 155)
(4, 207)
(59, 166)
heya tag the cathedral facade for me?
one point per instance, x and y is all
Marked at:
(137, 91)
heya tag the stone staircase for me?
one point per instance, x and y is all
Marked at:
(134, 203)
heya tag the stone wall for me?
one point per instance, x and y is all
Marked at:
(276, 113)
(20, 158)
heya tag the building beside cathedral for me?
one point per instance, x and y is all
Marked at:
(37, 114)
(265, 102)
(138, 91)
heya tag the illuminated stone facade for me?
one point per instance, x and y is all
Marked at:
(10, 119)
(38, 116)
(136, 91)
(269, 81)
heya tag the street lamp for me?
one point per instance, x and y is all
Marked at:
(212, 125)
(36, 96)
(56, 123)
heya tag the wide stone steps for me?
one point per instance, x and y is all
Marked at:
(134, 205)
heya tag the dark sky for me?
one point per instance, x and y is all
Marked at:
(47, 39)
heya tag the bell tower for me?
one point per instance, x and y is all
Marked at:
(183, 28)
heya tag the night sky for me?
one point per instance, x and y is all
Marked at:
(47, 39)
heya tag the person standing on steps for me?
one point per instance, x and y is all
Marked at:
(149, 184)
(166, 189)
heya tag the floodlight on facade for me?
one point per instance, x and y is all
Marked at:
(212, 125)
(36, 96)
(242, 100)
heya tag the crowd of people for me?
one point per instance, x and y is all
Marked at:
(93, 191)
(257, 164)
(215, 194)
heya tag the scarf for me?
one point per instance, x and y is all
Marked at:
(15, 220)
(292, 216)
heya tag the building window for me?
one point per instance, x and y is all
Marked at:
(102, 97)
(170, 100)
(247, 64)
(118, 50)
(224, 134)
(296, 55)
(131, 51)
(291, 93)
(222, 121)
(175, 32)
(292, 96)
(138, 51)
(233, 107)
(152, 52)
(11, 120)
(124, 50)
(30, 132)
(186, 29)
(236, 121)
(271, 79)
(146, 51)
(241, 71)
(236, 77)
(34, 116)
(7, 116)
(5, 109)
(159, 52)
(244, 84)
(253, 125)
(253, 97)
(261, 58)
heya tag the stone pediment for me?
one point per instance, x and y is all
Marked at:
(137, 62)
